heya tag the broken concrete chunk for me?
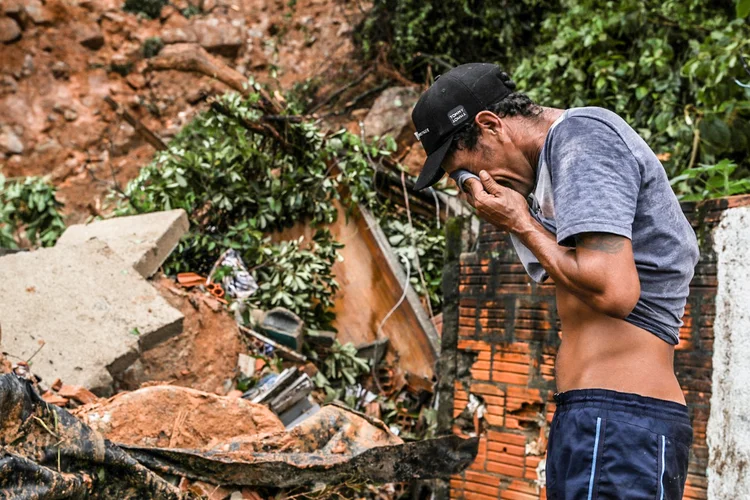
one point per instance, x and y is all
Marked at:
(373, 351)
(320, 339)
(145, 241)
(83, 310)
(9, 30)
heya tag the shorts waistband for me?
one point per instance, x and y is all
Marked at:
(612, 400)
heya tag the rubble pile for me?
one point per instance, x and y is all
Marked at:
(122, 382)
(211, 401)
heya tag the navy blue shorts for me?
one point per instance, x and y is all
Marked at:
(606, 444)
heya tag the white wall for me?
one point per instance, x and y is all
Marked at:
(728, 433)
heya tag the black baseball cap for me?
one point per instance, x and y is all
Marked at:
(452, 102)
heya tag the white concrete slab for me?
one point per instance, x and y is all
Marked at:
(728, 430)
(145, 240)
(92, 311)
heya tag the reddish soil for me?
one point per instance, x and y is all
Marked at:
(204, 355)
(54, 78)
(177, 417)
(5, 365)
(232, 428)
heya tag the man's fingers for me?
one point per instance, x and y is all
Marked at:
(475, 189)
(489, 183)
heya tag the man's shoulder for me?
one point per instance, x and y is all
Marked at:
(589, 128)
(595, 117)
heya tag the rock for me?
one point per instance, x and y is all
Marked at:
(60, 70)
(90, 36)
(89, 307)
(145, 241)
(10, 143)
(8, 85)
(51, 147)
(179, 35)
(9, 30)
(28, 65)
(70, 115)
(77, 393)
(391, 113)
(37, 12)
(217, 36)
(13, 8)
(136, 80)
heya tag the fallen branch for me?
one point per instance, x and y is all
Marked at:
(191, 57)
(340, 91)
(259, 128)
(139, 127)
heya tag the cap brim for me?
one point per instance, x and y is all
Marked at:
(432, 171)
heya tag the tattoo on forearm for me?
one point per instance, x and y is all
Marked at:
(608, 243)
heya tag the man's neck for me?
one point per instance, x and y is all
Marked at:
(535, 133)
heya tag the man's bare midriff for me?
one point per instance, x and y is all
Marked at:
(602, 352)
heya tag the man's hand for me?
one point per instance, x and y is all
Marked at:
(501, 206)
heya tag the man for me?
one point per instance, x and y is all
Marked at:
(605, 225)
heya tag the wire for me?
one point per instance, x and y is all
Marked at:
(403, 295)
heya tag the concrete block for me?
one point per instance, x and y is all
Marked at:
(89, 308)
(145, 241)
(728, 432)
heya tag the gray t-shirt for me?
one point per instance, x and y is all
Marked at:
(596, 174)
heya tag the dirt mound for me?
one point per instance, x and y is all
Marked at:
(62, 58)
(204, 356)
(177, 417)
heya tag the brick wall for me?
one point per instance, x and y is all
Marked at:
(501, 334)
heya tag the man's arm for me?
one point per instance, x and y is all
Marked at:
(600, 270)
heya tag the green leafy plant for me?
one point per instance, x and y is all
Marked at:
(300, 279)
(428, 37)
(669, 68)
(149, 8)
(238, 185)
(342, 367)
(711, 181)
(152, 46)
(29, 213)
(743, 8)
(423, 240)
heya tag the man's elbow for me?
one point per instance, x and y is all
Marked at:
(618, 301)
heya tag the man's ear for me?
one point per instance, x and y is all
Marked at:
(489, 122)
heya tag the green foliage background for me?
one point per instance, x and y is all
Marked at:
(667, 67)
(29, 213)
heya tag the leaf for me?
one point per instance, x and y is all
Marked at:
(743, 8)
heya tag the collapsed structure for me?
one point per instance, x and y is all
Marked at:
(110, 320)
